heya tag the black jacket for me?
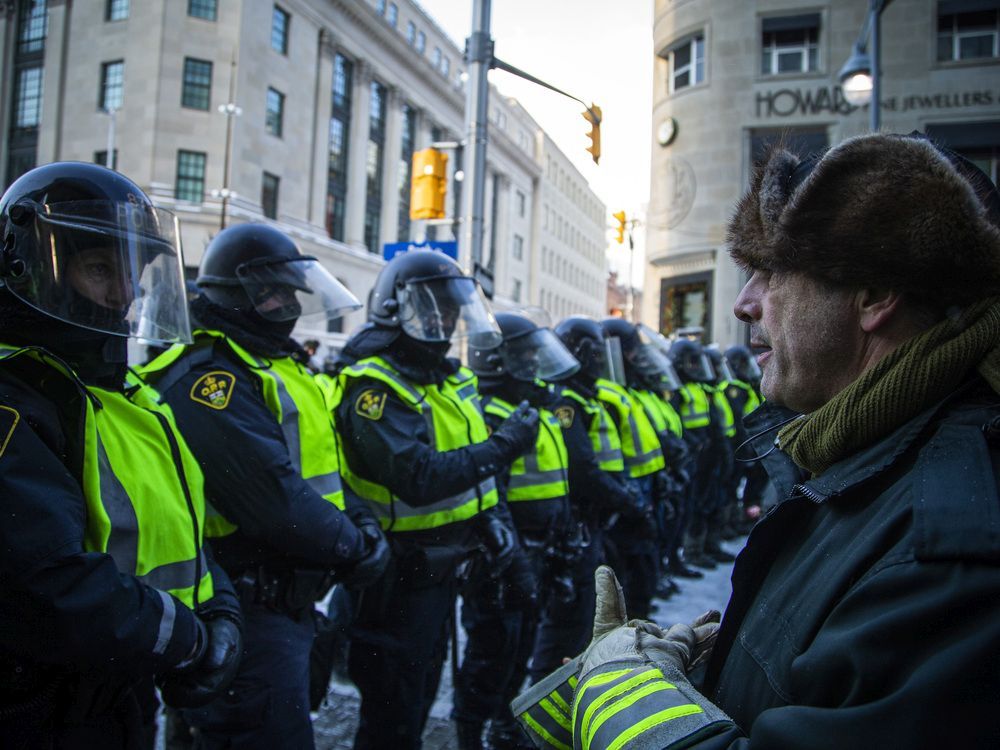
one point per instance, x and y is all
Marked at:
(866, 604)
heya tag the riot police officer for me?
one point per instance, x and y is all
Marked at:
(418, 451)
(105, 579)
(282, 524)
(744, 398)
(597, 493)
(500, 613)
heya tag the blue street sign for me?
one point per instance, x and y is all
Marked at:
(389, 249)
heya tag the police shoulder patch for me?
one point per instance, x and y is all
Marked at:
(565, 415)
(9, 417)
(733, 392)
(214, 389)
(370, 404)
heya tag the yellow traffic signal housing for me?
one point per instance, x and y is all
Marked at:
(620, 229)
(593, 116)
(428, 184)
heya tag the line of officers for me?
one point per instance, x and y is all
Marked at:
(168, 528)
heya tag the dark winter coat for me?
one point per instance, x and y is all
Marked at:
(866, 604)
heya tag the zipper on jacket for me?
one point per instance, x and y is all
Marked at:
(809, 493)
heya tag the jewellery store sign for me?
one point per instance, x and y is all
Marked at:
(830, 99)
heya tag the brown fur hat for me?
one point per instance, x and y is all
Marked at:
(880, 210)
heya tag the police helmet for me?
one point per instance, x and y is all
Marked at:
(258, 268)
(690, 361)
(425, 294)
(720, 367)
(584, 338)
(743, 364)
(85, 245)
(527, 353)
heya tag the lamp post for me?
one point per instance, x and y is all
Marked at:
(860, 77)
(231, 111)
(109, 158)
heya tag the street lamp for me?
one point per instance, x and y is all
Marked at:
(231, 111)
(860, 76)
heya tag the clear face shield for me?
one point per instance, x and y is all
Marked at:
(746, 369)
(614, 362)
(439, 310)
(107, 266)
(697, 367)
(538, 355)
(651, 360)
(297, 288)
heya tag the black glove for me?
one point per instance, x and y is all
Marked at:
(520, 582)
(518, 433)
(211, 671)
(496, 534)
(369, 568)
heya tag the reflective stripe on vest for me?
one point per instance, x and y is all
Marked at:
(543, 473)
(143, 490)
(454, 420)
(660, 412)
(694, 410)
(725, 410)
(298, 403)
(603, 435)
(640, 445)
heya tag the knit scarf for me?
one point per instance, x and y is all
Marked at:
(913, 377)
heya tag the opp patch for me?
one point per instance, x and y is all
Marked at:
(370, 404)
(9, 418)
(565, 415)
(214, 389)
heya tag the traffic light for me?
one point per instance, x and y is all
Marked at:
(620, 229)
(428, 184)
(593, 116)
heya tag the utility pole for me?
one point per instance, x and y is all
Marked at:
(109, 159)
(231, 111)
(480, 58)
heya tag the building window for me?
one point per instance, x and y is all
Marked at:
(32, 26)
(515, 293)
(274, 112)
(279, 30)
(28, 98)
(207, 9)
(409, 137)
(521, 204)
(116, 10)
(392, 15)
(446, 66)
(518, 250)
(421, 42)
(687, 63)
(112, 85)
(196, 91)
(269, 195)
(101, 157)
(411, 32)
(373, 165)
(436, 57)
(790, 44)
(380, 7)
(190, 184)
(340, 118)
(972, 35)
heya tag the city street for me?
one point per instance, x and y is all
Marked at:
(337, 720)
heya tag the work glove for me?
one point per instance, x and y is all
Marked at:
(620, 640)
(376, 558)
(520, 583)
(206, 675)
(498, 540)
(518, 433)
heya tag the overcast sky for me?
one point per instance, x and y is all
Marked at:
(597, 50)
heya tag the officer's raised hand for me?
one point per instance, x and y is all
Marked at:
(212, 667)
(519, 431)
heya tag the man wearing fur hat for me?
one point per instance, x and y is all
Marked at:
(866, 605)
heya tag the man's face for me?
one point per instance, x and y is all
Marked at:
(805, 334)
(96, 275)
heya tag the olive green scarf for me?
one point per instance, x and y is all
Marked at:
(911, 378)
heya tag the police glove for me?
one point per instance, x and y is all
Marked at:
(518, 433)
(520, 582)
(372, 565)
(497, 537)
(204, 677)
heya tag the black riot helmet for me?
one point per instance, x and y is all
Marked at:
(743, 364)
(720, 368)
(425, 294)
(527, 353)
(690, 361)
(642, 357)
(84, 245)
(255, 268)
(584, 338)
